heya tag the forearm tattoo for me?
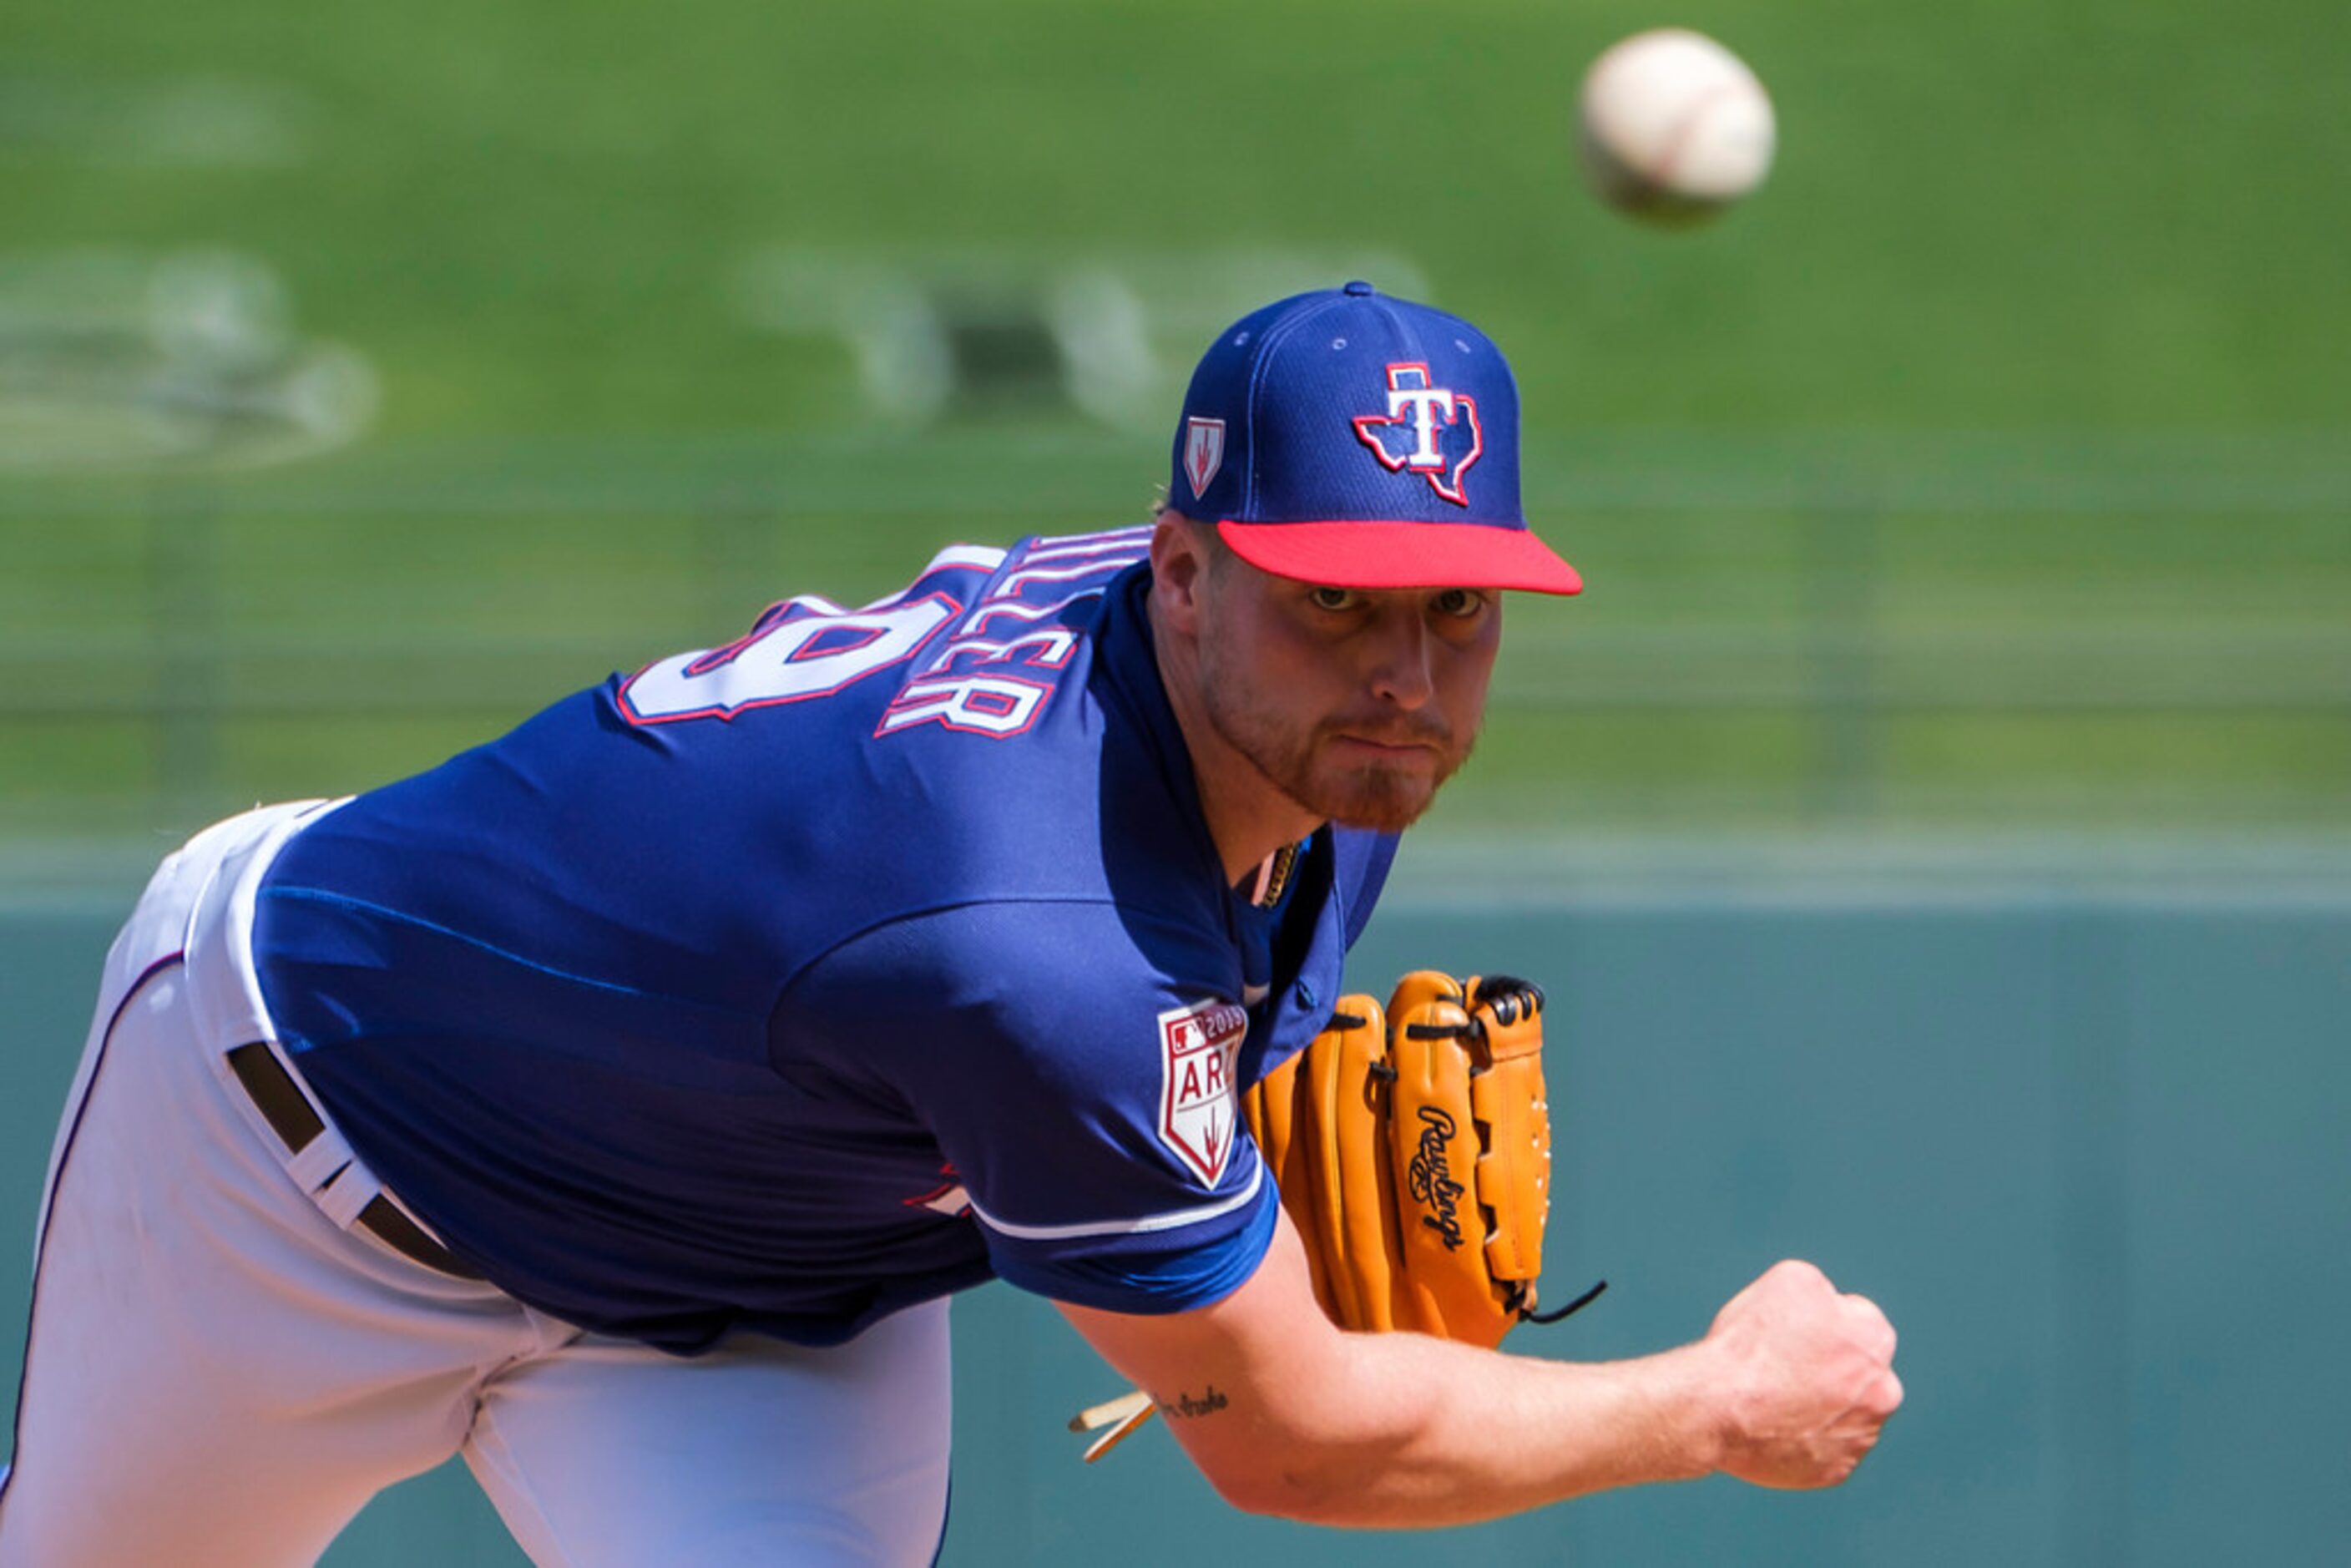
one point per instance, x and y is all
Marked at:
(1184, 1407)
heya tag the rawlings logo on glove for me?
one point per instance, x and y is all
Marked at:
(1431, 1180)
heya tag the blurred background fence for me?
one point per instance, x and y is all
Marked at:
(1859, 633)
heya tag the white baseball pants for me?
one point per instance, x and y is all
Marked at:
(222, 1369)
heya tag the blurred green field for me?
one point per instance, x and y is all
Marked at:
(1992, 467)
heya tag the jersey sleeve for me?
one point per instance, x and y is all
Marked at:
(1079, 1084)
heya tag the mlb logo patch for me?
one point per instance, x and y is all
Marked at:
(1204, 453)
(1197, 1105)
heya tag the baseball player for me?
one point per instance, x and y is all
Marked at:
(619, 1103)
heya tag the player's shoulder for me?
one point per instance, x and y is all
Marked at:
(977, 644)
(1037, 738)
(1018, 643)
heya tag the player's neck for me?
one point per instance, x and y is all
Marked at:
(1247, 816)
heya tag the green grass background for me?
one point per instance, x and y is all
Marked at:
(1991, 467)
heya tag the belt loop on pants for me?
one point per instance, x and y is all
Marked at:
(288, 1110)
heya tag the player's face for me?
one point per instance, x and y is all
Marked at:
(1355, 703)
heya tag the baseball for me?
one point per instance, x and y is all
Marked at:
(1673, 126)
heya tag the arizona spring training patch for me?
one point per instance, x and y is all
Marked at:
(1197, 1108)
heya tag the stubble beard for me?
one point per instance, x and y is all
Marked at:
(1383, 798)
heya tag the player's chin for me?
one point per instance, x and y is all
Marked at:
(1385, 799)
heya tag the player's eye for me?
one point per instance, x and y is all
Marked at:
(1458, 604)
(1333, 598)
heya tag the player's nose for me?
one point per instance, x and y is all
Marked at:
(1401, 673)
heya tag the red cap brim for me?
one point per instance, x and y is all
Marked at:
(1402, 555)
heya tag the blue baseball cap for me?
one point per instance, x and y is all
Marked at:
(1347, 438)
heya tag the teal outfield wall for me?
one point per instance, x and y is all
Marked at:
(2090, 1154)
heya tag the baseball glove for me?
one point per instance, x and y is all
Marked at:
(1412, 1145)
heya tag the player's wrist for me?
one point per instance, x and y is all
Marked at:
(1691, 1389)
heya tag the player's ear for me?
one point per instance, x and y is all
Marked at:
(1179, 570)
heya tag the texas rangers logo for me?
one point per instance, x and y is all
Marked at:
(1198, 1107)
(1204, 451)
(1431, 431)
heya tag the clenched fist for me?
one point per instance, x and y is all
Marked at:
(1804, 1378)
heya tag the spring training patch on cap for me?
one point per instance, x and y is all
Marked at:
(1204, 453)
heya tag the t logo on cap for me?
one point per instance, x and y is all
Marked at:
(1409, 388)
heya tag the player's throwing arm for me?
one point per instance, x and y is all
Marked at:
(1288, 1415)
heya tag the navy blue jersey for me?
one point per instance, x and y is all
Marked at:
(785, 984)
